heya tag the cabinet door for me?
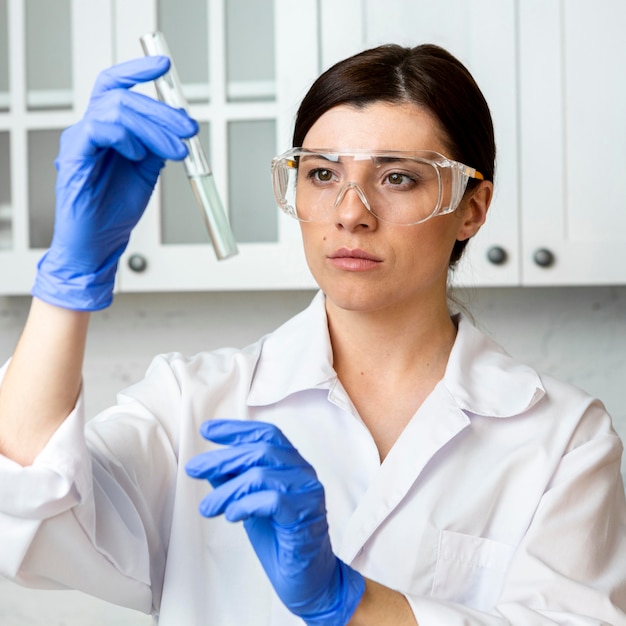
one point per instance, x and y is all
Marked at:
(49, 55)
(573, 141)
(244, 66)
(481, 34)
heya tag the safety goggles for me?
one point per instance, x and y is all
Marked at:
(398, 187)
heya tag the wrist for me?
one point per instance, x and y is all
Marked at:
(351, 588)
(381, 606)
(57, 284)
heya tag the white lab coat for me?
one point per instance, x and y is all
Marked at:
(500, 503)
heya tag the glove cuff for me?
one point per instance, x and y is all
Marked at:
(352, 586)
(63, 288)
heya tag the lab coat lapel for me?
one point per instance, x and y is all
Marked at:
(295, 357)
(436, 423)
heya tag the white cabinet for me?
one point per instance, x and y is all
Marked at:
(49, 54)
(481, 33)
(551, 71)
(244, 65)
(573, 141)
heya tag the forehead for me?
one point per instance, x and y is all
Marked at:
(378, 126)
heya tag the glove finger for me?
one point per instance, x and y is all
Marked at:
(129, 73)
(130, 138)
(296, 482)
(258, 504)
(158, 126)
(159, 139)
(116, 104)
(242, 431)
(106, 135)
(218, 466)
(285, 509)
(87, 136)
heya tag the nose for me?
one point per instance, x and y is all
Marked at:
(350, 212)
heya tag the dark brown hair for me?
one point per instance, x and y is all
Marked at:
(427, 76)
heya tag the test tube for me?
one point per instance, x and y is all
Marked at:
(199, 173)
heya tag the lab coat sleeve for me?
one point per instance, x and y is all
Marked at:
(93, 511)
(569, 568)
(58, 479)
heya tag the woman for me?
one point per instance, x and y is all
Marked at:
(452, 485)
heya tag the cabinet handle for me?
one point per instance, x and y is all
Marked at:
(544, 257)
(497, 255)
(137, 263)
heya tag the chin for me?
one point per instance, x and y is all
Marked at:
(351, 298)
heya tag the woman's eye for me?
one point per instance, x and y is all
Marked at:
(321, 175)
(397, 178)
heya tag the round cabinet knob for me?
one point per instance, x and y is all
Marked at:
(497, 255)
(543, 257)
(137, 263)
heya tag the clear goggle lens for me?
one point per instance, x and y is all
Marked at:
(398, 187)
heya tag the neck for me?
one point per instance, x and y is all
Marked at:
(389, 363)
(394, 341)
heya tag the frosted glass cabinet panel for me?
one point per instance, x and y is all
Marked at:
(254, 216)
(250, 50)
(181, 218)
(6, 239)
(4, 57)
(43, 146)
(186, 25)
(48, 54)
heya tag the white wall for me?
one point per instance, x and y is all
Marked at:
(577, 334)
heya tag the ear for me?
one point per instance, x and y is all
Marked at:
(474, 212)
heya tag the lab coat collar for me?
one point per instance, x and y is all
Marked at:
(295, 357)
(484, 379)
(481, 378)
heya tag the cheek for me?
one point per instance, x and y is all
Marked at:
(312, 239)
(430, 244)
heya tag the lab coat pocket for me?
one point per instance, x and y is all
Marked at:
(470, 570)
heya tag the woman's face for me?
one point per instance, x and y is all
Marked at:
(364, 264)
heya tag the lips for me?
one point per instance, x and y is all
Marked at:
(353, 260)
(347, 253)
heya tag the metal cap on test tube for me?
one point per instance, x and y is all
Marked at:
(199, 173)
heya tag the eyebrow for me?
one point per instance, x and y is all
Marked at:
(384, 159)
(323, 156)
(336, 157)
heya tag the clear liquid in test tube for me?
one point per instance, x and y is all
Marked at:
(199, 173)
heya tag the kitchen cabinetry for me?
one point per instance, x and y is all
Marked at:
(244, 67)
(49, 54)
(573, 141)
(482, 34)
(550, 70)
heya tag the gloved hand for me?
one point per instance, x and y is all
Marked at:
(107, 166)
(262, 479)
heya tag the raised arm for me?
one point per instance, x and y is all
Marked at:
(42, 381)
(107, 166)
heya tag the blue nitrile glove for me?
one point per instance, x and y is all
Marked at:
(262, 479)
(107, 166)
